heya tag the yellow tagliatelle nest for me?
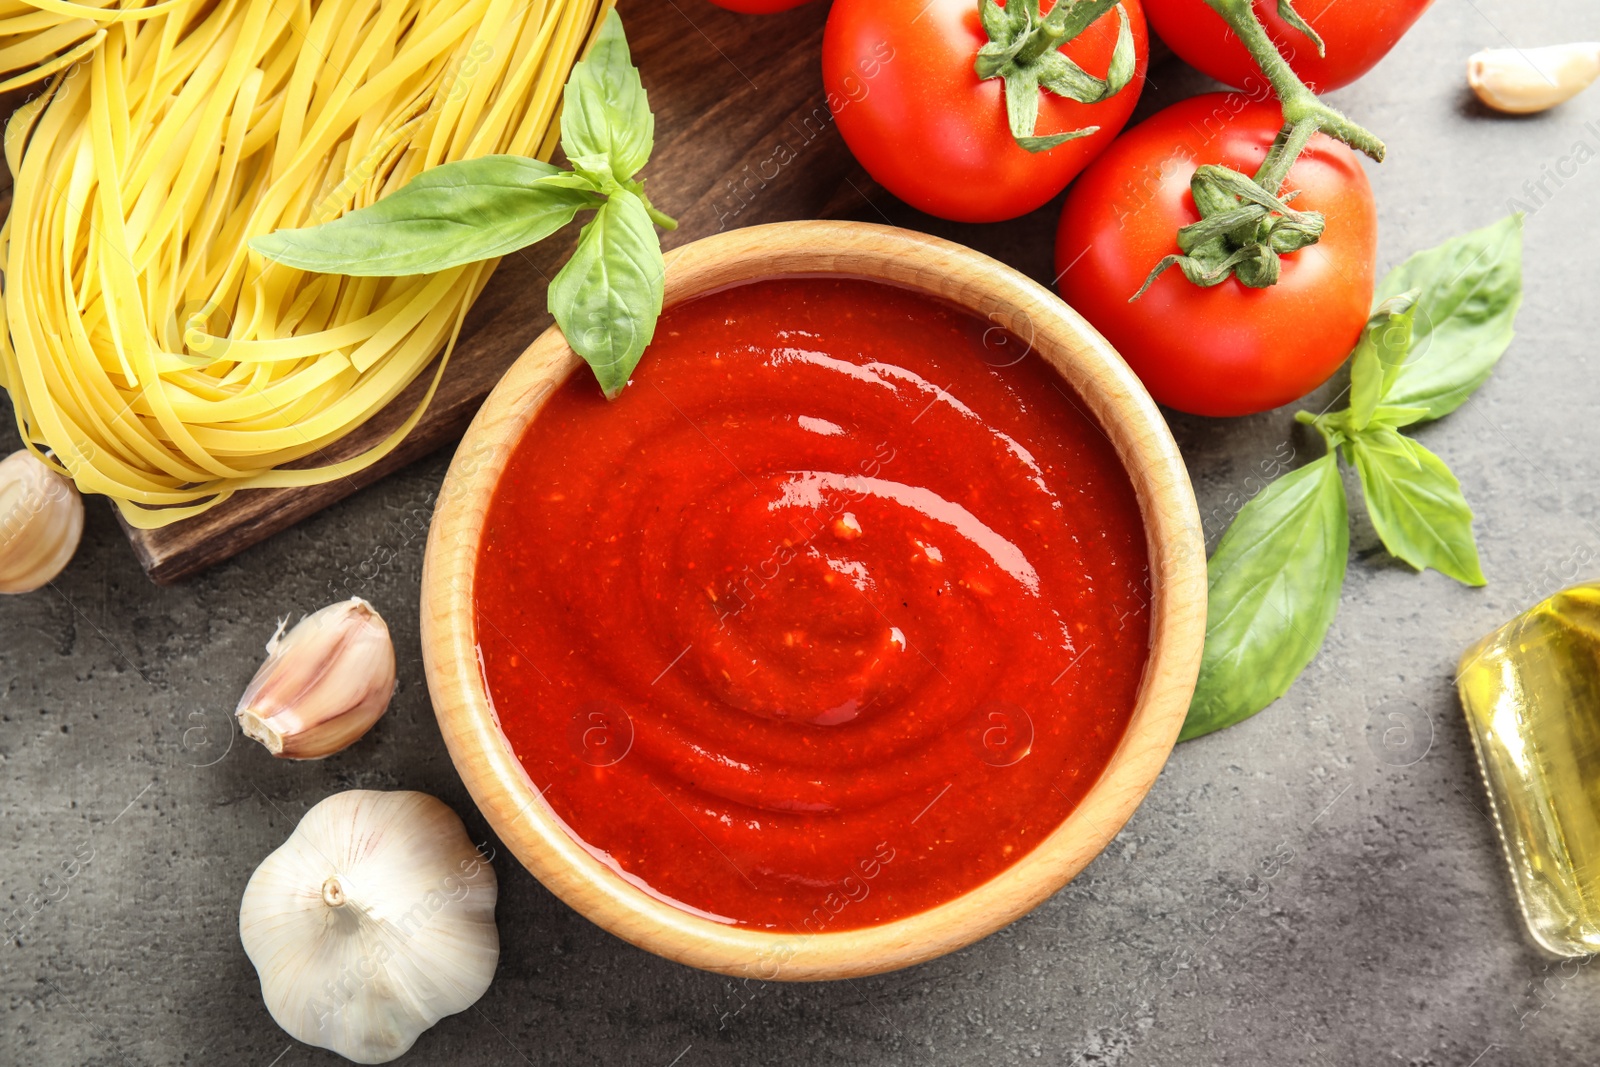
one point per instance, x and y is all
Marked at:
(158, 360)
(39, 38)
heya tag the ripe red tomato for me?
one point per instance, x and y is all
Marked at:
(1228, 349)
(1357, 35)
(759, 7)
(901, 85)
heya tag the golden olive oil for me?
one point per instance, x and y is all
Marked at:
(1531, 691)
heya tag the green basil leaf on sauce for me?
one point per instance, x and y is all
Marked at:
(1416, 505)
(604, 109)
(1275, 580)
(451, 215)
(608, 297)
(1468, 292)
(1379, 355)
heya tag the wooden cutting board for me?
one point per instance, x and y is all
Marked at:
(743, 136)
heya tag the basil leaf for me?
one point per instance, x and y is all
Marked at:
(1416, 505)
(1275, 580)
(1469, 290)
(567, 180)
(444, 217)
(1379, 355)
(1396, 417)
(607, 298)
(604, 110)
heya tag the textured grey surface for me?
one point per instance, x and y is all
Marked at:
(1292, 891)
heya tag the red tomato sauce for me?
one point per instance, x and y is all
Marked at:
(834, 615)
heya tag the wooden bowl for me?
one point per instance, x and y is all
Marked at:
(509, 799)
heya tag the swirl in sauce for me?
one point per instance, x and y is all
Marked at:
(836, 613)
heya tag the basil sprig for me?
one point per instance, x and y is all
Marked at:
(1443, 320)
(608, 296)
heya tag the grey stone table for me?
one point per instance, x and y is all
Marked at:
(1309, 887)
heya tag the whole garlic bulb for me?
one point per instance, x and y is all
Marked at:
(1522, 81)
(324, 683)
(41, 521)
(371, 923)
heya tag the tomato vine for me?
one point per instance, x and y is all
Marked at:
(1245, 226)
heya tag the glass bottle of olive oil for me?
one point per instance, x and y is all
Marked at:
(1531, 691)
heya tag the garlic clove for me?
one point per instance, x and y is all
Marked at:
(41, 522)
(1521, 81)
(323, 684)
(372, 922)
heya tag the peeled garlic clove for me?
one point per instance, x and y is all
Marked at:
(1521, 81)
(371, 923)
(324, 683)
(41, 521)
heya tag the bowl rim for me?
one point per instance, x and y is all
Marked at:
(510, 801)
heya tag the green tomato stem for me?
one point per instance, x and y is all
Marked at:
(1063, 23)
(1252, 254)
(1047, 35)
(1285, 150)
(1023, 51)
(1299, 103)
